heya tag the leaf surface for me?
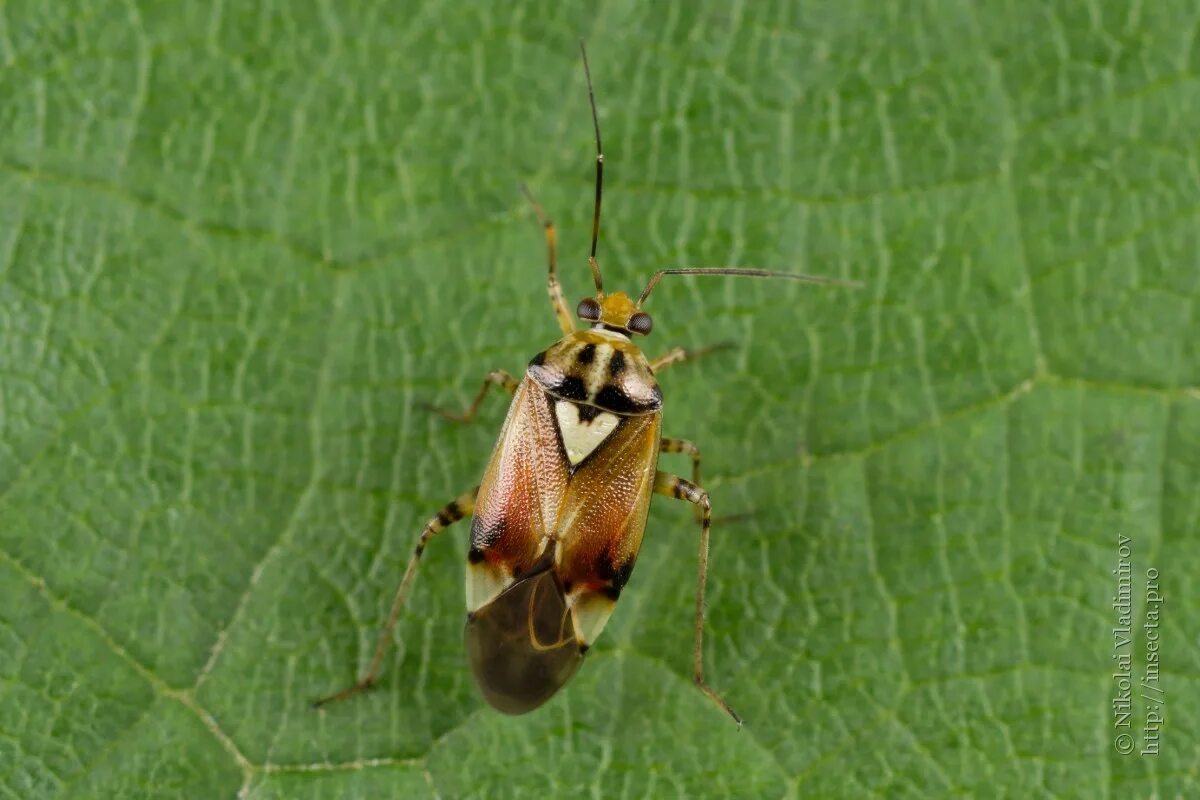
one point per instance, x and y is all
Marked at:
(242, 247)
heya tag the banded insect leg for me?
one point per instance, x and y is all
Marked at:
(561, 310)
(680, 489)
(496, 377)
(685, 446)
(451, 513)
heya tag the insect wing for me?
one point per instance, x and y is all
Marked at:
(519, 497)
(522, 646)
(603, 519)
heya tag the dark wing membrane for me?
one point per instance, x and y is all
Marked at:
(522, 645)
(519, 497)
(604, 512)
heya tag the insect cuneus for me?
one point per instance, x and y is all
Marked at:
(558, 518)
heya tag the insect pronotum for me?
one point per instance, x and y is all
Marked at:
(558, 518)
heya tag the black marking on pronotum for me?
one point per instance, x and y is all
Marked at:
(588, 413)
(571, 388)
(587, 353)
(614, 399)
(616, 364)
(538, 360)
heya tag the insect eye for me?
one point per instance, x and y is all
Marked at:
(641, 323)
(588, 309)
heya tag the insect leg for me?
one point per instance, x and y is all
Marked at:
(684, 446)
(451, 513)
(561, 310)
(678, 354)
(496, 377)
(674, 486)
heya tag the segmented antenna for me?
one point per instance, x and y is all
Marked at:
(599, 173)
(744, 272)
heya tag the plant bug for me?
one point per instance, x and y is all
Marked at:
(559, 516)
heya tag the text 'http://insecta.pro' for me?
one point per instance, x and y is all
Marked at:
(559, 516)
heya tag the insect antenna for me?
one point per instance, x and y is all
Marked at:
(599, 174)
(744, 272)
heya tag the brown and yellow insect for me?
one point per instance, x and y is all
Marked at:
(560, 513)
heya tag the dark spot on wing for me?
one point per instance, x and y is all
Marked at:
(483, 538)
(624, 571)
(617, 578)
(603, 566)
(587, 353)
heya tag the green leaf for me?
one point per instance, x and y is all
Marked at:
(242, 247)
